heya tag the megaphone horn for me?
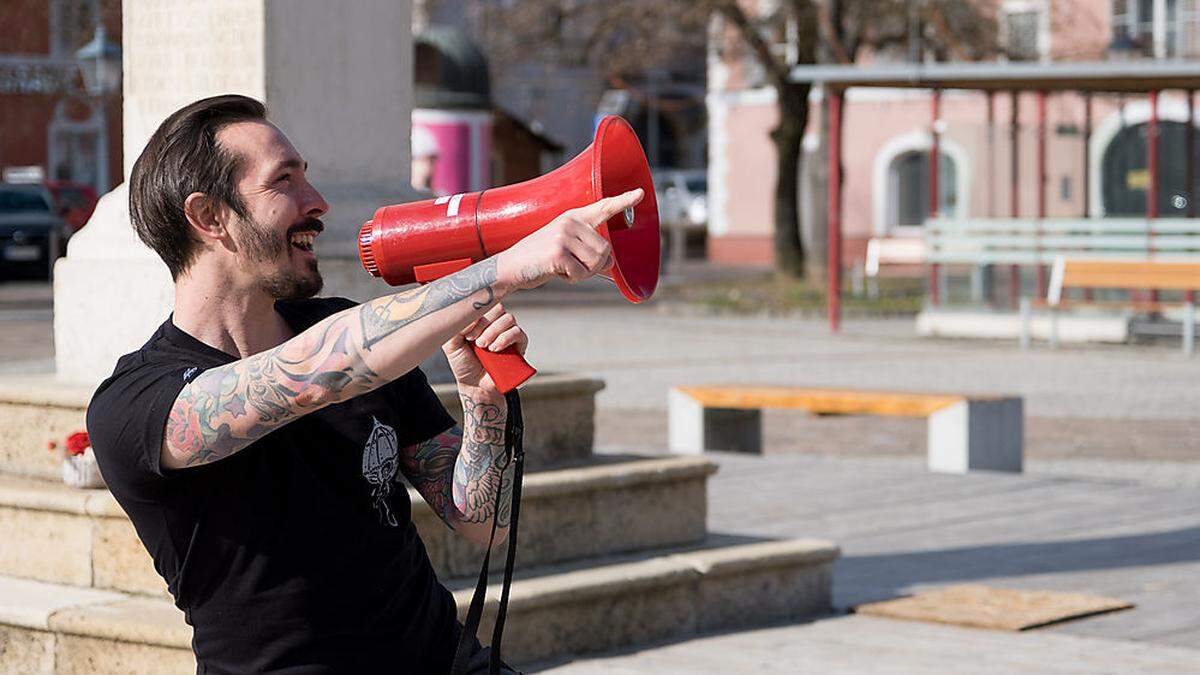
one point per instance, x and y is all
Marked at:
(424, 241)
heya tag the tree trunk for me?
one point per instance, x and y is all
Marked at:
(817, 226)
(789, 142)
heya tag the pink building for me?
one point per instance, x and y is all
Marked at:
(887, 135)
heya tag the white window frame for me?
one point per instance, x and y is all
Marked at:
(1042, 8)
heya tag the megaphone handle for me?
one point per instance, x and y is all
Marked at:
(508, 368)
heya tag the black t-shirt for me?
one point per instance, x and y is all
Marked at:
(298, 553)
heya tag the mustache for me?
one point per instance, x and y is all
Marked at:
(307, 225)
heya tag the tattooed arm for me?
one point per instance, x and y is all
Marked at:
(460, 485)
(359, 349)
(350, 353)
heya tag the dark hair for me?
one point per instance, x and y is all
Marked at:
(182, 157)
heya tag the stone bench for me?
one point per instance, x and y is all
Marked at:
(965, 432)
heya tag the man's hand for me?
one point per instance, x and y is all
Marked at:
(495, 331)
(568, 247)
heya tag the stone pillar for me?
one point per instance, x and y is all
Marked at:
(336, 78)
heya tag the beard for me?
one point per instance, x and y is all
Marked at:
(263, 248)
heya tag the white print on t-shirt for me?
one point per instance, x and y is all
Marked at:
(380, 456)
(190, 373)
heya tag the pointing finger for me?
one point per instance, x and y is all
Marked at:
(601, 211)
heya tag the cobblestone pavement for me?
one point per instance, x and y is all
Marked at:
(902, 529)
(854, 645)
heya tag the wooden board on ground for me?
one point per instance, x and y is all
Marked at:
(996, 608)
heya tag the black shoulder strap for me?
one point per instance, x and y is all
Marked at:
(514, 454)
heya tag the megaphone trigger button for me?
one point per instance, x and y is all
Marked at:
(629, 216)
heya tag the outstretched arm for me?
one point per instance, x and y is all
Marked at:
(350, 353)
(359, 349)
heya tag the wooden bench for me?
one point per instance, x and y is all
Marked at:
(1152, 275)
(1038, 242)
(965, 432)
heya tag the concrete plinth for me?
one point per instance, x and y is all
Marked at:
(977, 434)
(694, 429)
(966, 323)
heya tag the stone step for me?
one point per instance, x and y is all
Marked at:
(553, 612)
(559, 412)
(60, 534)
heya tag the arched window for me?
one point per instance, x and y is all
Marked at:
(1125, 177)
(908, 180)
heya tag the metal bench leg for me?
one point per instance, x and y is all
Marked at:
(977, 275)
(1189, 329)
(1026, 323)
(977, 435)
(692, 428)
(1054, 327)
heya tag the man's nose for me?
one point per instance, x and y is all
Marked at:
(315, 205)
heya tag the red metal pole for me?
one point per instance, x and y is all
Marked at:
(1087, 167)
(935, 290)
(834, 263)
(1152, 158)
(1041, 189)
(1087, 155)
(1014, 198)
(1190, 296)
(988, 293)
(991, 151)
(1191, 154)
(1152, 186)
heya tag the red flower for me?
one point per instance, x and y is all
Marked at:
(77, 443)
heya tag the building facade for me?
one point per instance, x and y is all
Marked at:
(48, 120)
(887, 137)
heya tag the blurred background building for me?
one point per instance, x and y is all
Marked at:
(52, 124)
(887, 132)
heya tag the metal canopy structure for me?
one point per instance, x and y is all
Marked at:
(1093, 76)
(1147, 77)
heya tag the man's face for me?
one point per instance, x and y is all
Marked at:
(274, 244)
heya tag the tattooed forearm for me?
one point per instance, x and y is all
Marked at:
(384, 316)
(478, 474)
(459, 472)
(227, 408)
(268, 389)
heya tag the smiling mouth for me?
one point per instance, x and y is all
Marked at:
(303, 240)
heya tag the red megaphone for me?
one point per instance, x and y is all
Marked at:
(424, 241)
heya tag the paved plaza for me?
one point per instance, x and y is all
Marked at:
(1110, 503)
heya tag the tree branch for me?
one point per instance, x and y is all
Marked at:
(776, 71)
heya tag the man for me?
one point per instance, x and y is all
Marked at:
(257, 440)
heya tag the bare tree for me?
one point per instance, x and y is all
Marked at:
(625, 38)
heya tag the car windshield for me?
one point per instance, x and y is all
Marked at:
(22, 200)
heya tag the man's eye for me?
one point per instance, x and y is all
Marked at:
(286, 176)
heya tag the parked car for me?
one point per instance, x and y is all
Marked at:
(75, 202)
(32, 234)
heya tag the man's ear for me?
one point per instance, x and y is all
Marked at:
(204, 215)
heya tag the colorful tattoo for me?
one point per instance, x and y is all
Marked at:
(384, 316)
(275, 387)
(307, 372)
(459, 472)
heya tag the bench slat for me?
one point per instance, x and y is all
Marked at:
(1177, 276)
(822, 401)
